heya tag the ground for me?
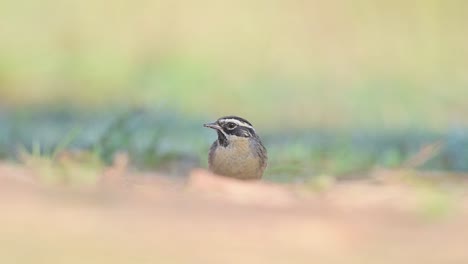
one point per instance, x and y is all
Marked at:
(132, 217)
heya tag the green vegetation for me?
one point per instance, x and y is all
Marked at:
(170, 142)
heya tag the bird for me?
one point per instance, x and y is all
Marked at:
(238, 151)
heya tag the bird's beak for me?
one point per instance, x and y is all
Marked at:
(213, 125)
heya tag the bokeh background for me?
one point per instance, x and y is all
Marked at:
(361, 104)
(333, 87)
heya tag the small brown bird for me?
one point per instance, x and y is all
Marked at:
(238, 152)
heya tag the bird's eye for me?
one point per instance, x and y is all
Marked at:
(231, 126)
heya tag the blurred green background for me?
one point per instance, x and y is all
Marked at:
(332, 86)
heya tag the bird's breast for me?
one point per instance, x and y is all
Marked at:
(236, 160)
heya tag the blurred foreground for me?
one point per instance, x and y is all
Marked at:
(125, 217)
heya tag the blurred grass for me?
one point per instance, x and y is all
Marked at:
(172, 143)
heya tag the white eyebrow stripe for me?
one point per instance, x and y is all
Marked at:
(238, 122)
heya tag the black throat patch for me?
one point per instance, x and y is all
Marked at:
(222, 139)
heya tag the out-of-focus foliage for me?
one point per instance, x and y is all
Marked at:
(169, 142)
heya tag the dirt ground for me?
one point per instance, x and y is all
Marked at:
(388, 217)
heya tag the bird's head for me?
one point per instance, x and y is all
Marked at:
(230, 128)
